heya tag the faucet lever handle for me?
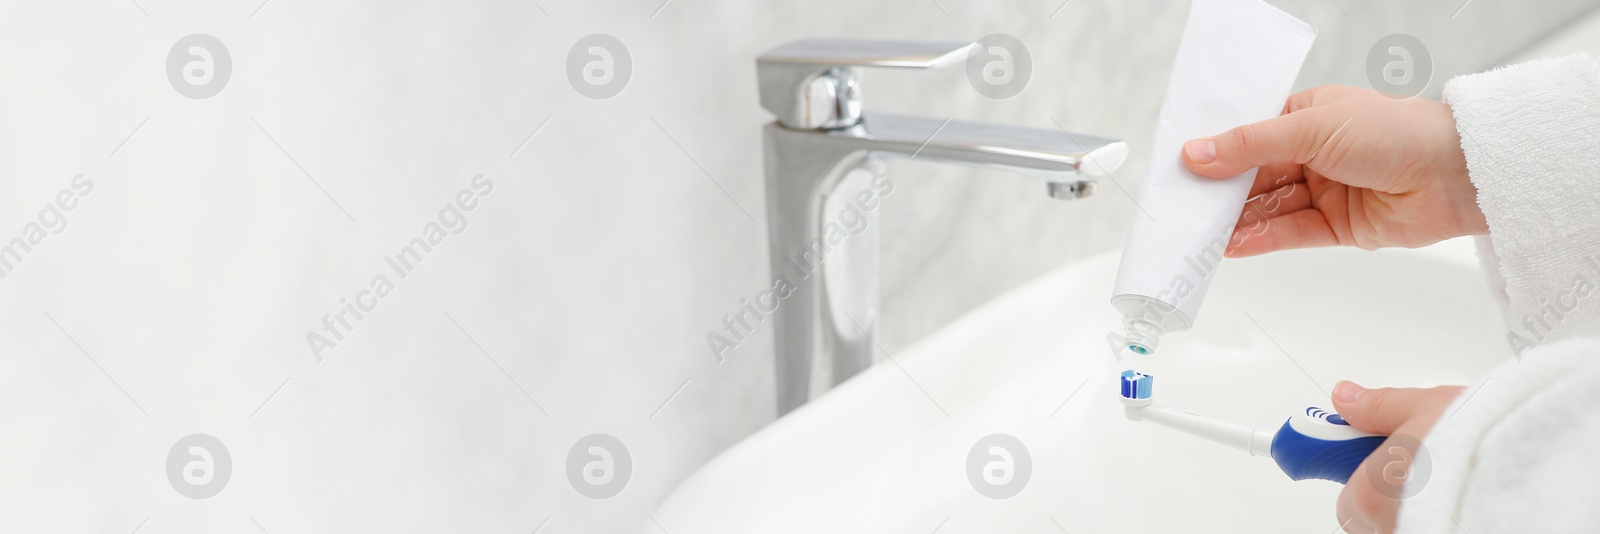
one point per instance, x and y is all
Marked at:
(813, 83)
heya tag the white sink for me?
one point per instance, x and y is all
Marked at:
(878, 455)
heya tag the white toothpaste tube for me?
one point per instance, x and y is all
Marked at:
(1236, 65)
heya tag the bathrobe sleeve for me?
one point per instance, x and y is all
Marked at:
(1516, 452)
(1531, 134)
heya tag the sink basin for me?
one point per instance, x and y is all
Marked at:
(887, 451)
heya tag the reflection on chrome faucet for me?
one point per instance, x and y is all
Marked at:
(825, 324)
(850, 222)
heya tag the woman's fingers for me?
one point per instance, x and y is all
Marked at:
(1370, 501)
(1300, 229)
(1383, 410)
(1259, 213)
(1354, 518)
(1276, 175)
(1281, 201)
(1288, 138)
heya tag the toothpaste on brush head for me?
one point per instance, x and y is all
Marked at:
(1236, 65)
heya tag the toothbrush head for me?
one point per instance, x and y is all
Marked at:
(1136, 388)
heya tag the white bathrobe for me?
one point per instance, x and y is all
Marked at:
(1520, 450)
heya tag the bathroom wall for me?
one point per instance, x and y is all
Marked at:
(198, 284)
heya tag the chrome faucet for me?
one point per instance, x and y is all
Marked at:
(822, 146)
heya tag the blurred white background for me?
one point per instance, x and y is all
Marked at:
(219, 231)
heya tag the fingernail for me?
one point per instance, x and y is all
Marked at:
(1347, 392)
(1202, 151)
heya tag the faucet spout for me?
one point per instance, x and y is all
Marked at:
(1052, 156)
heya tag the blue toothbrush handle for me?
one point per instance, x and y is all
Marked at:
(1320, 444)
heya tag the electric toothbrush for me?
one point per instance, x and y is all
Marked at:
(1315, 443)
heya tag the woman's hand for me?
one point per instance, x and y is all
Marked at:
(1371, 499)
(1346, 166)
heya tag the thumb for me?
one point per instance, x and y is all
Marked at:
(1382, 410)
(1291, 138)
